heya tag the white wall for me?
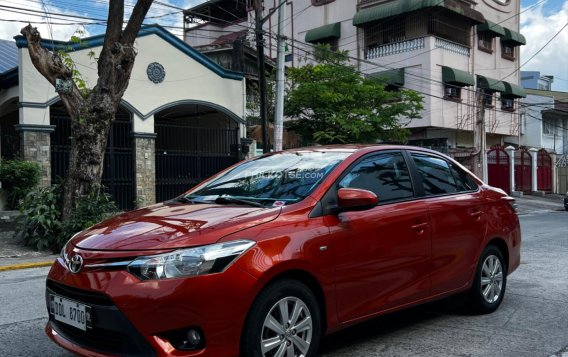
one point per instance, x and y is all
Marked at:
(532, 133)
(186, 79)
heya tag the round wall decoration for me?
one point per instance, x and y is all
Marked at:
(156, 72)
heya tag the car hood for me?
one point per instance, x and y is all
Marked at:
(171, 226)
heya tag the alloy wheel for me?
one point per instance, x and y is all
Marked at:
(287, 329)
(491, 279)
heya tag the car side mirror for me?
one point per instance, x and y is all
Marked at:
(355, 199)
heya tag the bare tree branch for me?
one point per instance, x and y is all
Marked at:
(47, 63)
(114, 25)
(50, 65)
(135, 22)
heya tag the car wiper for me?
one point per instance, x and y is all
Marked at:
(231, 199)
(192, 200)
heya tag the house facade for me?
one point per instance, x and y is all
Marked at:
(544, 121)
(444, 49)
(180, 120)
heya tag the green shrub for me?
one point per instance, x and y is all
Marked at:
(42, 225)
(41, 218)
(89, 210)
(18, 178)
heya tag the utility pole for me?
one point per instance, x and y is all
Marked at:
(479, 136)
(261, 75)
(279, 112)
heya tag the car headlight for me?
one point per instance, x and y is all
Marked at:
(189, 262)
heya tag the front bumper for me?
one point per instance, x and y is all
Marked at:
(130, 317)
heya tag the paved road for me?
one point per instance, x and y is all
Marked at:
(533, 320)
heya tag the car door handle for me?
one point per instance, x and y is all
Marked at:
(419, 227)
(476, 215)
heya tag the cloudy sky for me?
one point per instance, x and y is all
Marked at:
(538, 24)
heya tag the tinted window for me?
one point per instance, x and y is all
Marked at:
(436, 176)
(385, 174)
(463, 181)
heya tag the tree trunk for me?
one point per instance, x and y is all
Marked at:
(86, 160)
(92, 113)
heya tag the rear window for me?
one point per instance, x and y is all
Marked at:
(440, 177)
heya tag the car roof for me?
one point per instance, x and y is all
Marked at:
(352, 148)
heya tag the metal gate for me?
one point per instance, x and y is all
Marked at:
(544, 171)
(118, 170)
(523, 168)
(498, 169)
(187, 155)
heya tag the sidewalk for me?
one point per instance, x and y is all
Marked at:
(14, 255)
(532, 204)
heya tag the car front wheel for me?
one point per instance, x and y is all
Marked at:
(490, 282)
(284, 320)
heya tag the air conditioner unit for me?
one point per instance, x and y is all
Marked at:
(507, 103)
(451, 92)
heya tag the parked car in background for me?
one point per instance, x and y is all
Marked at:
(268, 256)
(566, 202)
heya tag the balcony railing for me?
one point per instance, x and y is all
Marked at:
(452, 47)
(394, 48)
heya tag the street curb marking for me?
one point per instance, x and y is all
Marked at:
(26, 266)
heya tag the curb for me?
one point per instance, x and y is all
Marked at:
(26, 266)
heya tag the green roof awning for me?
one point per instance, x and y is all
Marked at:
(513, 91)
(457, 77)
(492, 28)
(393, 77)
(393, 8)
(513, 37)
(326, 31)
(490, 84)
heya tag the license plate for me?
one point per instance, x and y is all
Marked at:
(70, 312)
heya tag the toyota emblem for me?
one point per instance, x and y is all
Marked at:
(75, 264)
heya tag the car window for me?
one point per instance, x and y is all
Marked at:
(285, 177)
(437, 178)
(385, 174)
(463, 180)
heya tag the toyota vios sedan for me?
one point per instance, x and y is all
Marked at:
(268, 256)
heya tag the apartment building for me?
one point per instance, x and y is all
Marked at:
(445, 49)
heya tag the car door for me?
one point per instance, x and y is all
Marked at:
(458, 222)
(381, 255)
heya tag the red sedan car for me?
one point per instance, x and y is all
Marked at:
(269, 255)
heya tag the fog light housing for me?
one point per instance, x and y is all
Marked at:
(186, 339)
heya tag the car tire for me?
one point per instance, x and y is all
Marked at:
(490, 282)
(267, 329)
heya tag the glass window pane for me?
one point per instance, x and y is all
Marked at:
(436, 176)
(385, 174)
(464, 182)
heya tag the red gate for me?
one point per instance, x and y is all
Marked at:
(544, 171)
(498, 169)
(523, 168)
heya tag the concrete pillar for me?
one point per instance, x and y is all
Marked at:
(35, 145)
(554, 173)
(534, 182)
(511, 151)
(249, 148)
(145, 164)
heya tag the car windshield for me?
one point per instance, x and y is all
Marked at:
(278, 179)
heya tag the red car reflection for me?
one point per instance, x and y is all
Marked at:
(271, 254)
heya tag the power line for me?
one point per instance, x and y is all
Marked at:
(537, 52)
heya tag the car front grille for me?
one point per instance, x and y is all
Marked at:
(111, 332)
